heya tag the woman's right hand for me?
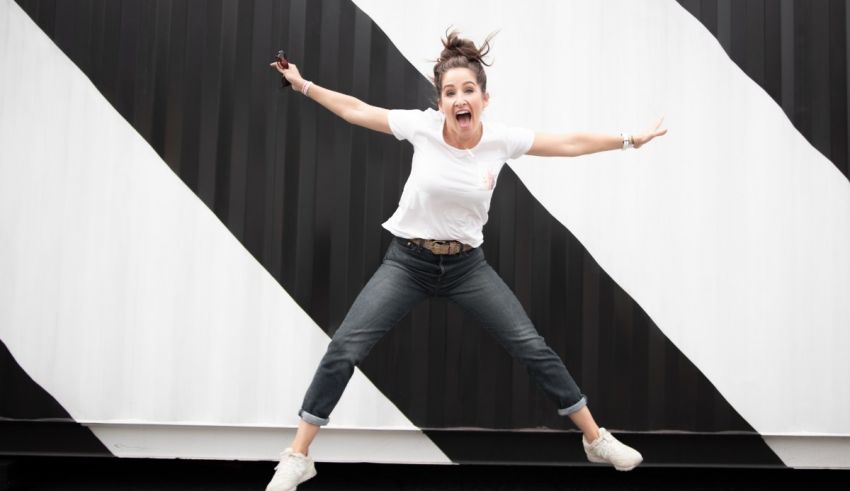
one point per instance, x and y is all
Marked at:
(291, 74)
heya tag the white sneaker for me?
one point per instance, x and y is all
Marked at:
(608, 450)
(293, 469)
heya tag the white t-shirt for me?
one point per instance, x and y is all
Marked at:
(447, 195)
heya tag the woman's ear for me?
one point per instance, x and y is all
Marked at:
(486, 99)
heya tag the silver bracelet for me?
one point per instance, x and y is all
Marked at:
(627, 140)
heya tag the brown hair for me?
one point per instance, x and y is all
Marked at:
(462, 53)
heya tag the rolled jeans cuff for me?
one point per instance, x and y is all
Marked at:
(313, 420)
(575, 407)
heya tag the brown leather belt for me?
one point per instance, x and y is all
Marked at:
(442, 247)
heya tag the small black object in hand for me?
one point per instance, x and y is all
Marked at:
(283, 63)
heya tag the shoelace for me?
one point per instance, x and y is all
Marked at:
(605, 450)
(284, 458)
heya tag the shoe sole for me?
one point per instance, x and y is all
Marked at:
(597, 460)
(311, 473)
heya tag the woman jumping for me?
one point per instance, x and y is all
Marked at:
(436, 249)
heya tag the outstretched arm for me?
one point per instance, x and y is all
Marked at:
(348, 108)
(575, 144)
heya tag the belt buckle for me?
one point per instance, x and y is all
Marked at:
(437, 247)
(445, 247)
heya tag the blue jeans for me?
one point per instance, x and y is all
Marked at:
(410, 274)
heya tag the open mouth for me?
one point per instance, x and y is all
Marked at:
(464, 119)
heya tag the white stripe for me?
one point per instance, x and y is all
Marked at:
(732, 232)
(264, 443)
(815, 451)
(125, 297)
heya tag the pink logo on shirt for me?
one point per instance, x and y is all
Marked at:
(488, 180)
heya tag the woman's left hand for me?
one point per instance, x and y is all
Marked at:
(644, 138)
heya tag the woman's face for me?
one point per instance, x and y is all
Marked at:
(462, 102)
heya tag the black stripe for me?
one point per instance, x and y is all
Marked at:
(565, 448)
(306, 194)
(797, 52)
(33, 422)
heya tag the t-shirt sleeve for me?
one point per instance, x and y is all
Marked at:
(404, 122)
(518, 141)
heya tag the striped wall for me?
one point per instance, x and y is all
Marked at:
(304, 194)
(798, 52)
(130, 303)
(689, 230)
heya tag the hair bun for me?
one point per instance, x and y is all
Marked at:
(461, 53)
(455, 46)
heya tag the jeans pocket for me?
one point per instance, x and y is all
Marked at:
(397, 246)
(390, 250)
(403, 243)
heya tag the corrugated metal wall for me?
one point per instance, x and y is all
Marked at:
(306, 193)
(797, 51)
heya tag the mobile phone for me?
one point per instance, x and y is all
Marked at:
(283, 63)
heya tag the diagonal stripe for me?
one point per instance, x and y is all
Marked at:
(731, 232)
(267, 171)
(124, 297)
(33, 422)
